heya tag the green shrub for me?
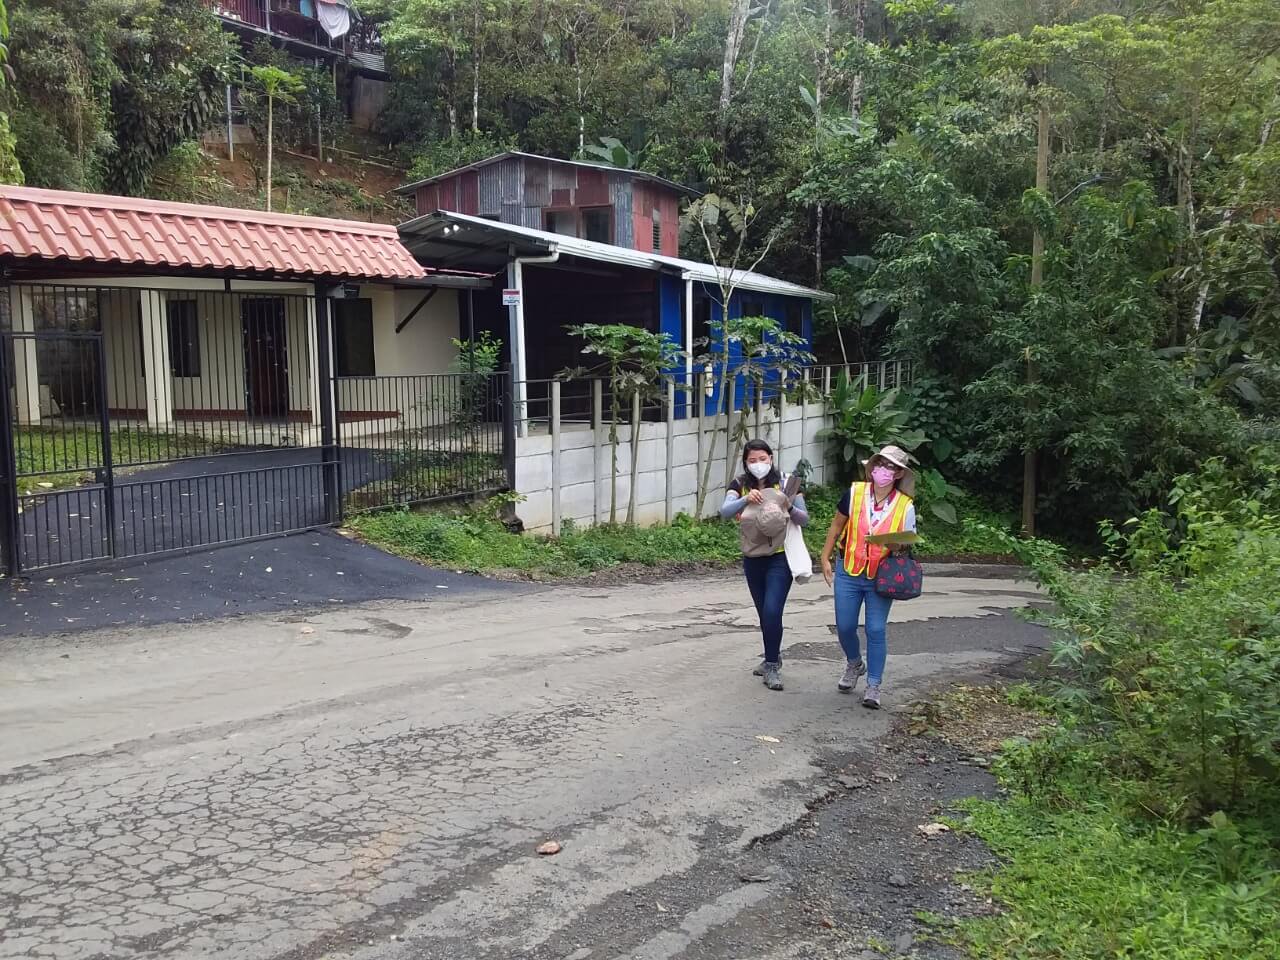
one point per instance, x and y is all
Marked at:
(1172, 650)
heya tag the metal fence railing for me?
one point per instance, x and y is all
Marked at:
(415, 439)
(578, 398)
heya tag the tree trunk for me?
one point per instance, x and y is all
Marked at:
(451, 105)
(859, 31)
(739, 13)
(270, 144)
(475, 72)
(1037, 279)
(819, 82)
(613, 451)
(635, 457)
(582, 119)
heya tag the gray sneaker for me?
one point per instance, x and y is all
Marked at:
(759, 668)
(871, 697)
(852, 671)
(772, 673)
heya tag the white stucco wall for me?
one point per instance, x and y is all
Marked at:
(585, 466)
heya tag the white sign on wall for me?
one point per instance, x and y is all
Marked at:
(511, 298)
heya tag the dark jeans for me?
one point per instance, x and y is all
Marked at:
(769, 580)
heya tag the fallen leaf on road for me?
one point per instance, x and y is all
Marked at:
(755, 878)
(766, 739)
(933, 829)
(549, 849)
(268, 569)
(828, 923)
(308, 630)
(661, 908)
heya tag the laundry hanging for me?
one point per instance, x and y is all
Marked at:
(335, 18)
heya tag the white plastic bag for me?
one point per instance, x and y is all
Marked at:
(798, 558)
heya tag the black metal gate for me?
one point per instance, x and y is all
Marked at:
(80, 484)
(98, 463)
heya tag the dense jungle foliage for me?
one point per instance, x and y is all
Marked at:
(890, 150)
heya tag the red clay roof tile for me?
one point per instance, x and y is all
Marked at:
(92, 228)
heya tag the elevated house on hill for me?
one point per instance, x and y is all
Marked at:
(569, 242)
(325, 33)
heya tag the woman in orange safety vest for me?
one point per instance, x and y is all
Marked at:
(880, 504)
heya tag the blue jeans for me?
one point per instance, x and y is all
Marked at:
(851, 594)
(769, 580)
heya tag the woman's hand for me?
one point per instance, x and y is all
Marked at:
(755, 496)
(827, 573)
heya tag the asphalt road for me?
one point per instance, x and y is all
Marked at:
(370, 783)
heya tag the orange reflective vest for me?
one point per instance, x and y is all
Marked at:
(862, 557)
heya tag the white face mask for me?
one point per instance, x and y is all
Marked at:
(759, 470)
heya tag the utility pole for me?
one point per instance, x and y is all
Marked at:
(1037, 280)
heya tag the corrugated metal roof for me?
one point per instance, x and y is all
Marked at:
(556, 163)
(83, 228)
(429, 231)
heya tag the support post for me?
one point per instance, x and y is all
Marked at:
(688, 344)
(231, 140)
(782, 414)
(315, 389)
(509, 427)
(515, 277)
(8, 465)
(700, 385)
(671, 447)
(25, 381)
(597, 422)
(155, 351)
(107, 472)
(331, 464)
(556, 518)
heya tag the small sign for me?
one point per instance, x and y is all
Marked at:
(511, 298)
(350, 291)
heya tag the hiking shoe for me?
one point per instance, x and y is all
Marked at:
(871, 698)
(759, 669)
(852, 671)
(772, 673)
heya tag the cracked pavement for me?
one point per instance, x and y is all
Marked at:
(370, 783)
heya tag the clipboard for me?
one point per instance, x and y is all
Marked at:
(903, 538)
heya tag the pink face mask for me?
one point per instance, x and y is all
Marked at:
(882, 476)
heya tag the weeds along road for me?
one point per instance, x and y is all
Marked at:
(372, 782)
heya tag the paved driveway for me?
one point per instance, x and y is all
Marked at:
(302, 571)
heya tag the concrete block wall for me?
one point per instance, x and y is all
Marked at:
(565, 475)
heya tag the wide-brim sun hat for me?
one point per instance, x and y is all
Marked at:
(900, 459)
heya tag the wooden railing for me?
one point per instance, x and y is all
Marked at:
(285, 17)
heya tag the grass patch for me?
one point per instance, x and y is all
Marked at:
(477, 542)
(1091, 882)
(51, 458)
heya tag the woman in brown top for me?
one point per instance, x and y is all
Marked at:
(764, 506)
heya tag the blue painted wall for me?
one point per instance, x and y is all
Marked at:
(671, 293)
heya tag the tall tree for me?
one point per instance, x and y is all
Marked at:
(278, 86)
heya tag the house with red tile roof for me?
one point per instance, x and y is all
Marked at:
(211, 314)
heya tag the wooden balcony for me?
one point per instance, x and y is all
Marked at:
(294, 23)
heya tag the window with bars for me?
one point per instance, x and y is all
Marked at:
(184, 338)
(353, 338)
